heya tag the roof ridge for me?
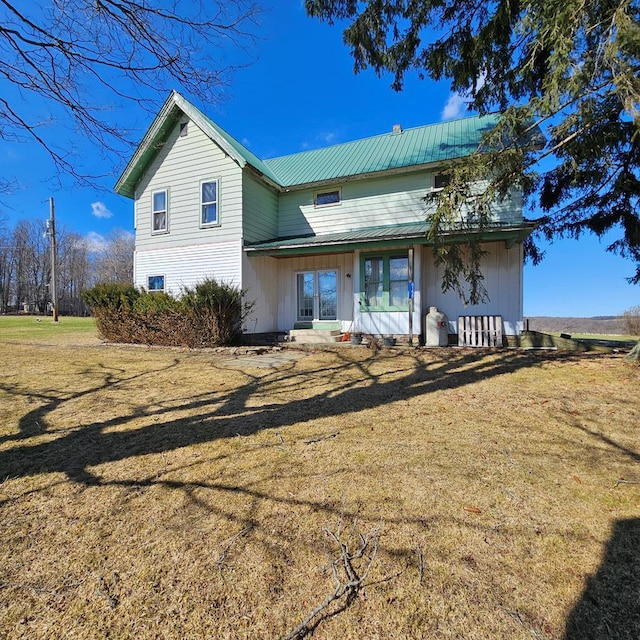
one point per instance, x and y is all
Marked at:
(381, 135)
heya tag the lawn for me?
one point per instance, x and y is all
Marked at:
(42, 329)
(163, 493)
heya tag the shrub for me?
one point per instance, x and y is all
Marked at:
(630, 321)
(112, 305)
(109, 295)
(217, 310)
(209, 315)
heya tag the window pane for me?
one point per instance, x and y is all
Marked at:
(159, 221)
(209, 213)
(373, 294)
(160, 201)
(373, 290)
(373, 270)
(441, 180)
(328, 292)
(329, 197)
(209, 202)
(398, 294)
(155, 283)
(399, 281)
(209, 192)
(399, 269)
(306, 285)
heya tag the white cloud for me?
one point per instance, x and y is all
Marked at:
(455, 107)
(457, 103)
(95, 242)
(327, 137)
(99, 210)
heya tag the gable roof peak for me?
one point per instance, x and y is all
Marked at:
(158, 132)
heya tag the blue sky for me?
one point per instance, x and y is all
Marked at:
(299, 92)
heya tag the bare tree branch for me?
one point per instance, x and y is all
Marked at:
(74, 62)
(349, 574)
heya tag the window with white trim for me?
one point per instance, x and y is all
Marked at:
(155, 283)
(159, 211)
(327, 198)
(209, 203)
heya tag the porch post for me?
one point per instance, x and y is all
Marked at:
(411, 292)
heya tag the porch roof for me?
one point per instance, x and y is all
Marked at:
(373, 238)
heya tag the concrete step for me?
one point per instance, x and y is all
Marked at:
(315, 336)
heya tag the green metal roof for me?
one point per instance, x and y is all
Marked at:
(241, 151)
(419, 146)
(378, 237)
(412, 147)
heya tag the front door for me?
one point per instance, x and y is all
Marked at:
(317, 293)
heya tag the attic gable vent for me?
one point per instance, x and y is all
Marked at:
(184, 129)
(397, 128)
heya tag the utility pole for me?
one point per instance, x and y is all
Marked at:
(51, 229)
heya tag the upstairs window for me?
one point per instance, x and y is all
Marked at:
(327, 198)
(159, 212)
(441, 180)
(209, 203)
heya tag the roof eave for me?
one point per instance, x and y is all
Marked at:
(148, 147)
(511, 235)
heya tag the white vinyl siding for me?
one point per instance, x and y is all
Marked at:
(187, 266)
(260, 283)
(183, 163)
(502, 270)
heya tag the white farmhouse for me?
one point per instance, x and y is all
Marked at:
(331, 239)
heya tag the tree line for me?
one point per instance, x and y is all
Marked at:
(81, 262)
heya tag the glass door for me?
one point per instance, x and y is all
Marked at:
(327, 295)
(317, 295)
(306, 295)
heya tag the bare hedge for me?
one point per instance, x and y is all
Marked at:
(209, 315)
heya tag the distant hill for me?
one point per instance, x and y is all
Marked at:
(605, 325)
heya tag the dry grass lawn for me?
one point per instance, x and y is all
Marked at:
(157, 493)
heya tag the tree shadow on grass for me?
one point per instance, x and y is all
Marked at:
(610, 604)
(347, 388)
